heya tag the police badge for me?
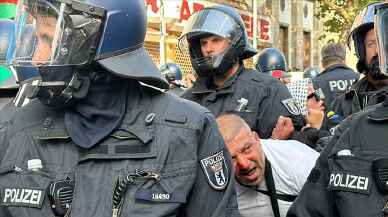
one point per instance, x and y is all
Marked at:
(216, 170)
(292, 106)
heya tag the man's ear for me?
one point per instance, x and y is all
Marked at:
(255, 135)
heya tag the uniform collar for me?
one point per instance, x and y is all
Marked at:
(206, 84)
(330, 68)
(380, 113)
(139, 116)
(359, 87)
(132, 126)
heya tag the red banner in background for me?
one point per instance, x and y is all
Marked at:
(153, 4)
(183, 9)
(9, 1)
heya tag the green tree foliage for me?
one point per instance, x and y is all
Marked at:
(338, 15)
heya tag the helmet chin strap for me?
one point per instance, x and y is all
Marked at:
(374, 69)
(32, 87)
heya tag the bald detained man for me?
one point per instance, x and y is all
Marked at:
(289, 162)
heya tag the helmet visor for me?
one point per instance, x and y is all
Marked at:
(46, 34)
(7, 29)
(365, 17)
(210, 21)
(381, 27)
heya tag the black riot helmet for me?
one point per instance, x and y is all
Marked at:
(311, 72)
(222, 21)
(271, 59)
(71, 39)
(381, 23)
(362, 23)
(172, 72)
(81, 33)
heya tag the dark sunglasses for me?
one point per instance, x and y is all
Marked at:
(317, 94)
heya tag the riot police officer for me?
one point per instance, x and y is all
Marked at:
(94, 141)
(8, 90)
(224, 84)
(9, 83)
(366, 91)
(311, 72)
(337, 77)
(273, 62)
(173, 74)
(349, 177)
(8, 86)
(271, 59)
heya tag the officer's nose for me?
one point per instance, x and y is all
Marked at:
(41, 54)
(209, 49)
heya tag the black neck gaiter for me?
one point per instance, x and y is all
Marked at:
(98, 114)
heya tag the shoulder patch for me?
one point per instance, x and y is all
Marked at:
(216, 170)
(292, 106)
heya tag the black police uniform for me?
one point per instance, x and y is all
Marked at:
(258, 98)
(177, 90)
(334, 81)
(164, 158)
(7, 111)
(6, 114)
(361, 95)
(346, 177)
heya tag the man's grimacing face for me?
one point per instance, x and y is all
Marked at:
(248, 157)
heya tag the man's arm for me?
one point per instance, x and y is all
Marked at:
(274, 106)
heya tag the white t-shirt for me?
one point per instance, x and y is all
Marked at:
(291, 163)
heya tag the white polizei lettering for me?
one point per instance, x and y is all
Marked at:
(14, 194)
(342, 184)
(353, 180)
(7, 194)
(366, 183)
(331, 179)
(332, 84)
(219, 158)
(341, 85)
(27, 194)
(337, 179)
(350, 181)
(35, 197)
(361, 183)
(19, 196)
(213, 160)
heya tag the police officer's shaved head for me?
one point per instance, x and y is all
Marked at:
(230, 125)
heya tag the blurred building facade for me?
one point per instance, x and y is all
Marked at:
(289, 25)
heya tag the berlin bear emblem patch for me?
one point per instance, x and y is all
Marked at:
(216, 170)
(292, 106)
